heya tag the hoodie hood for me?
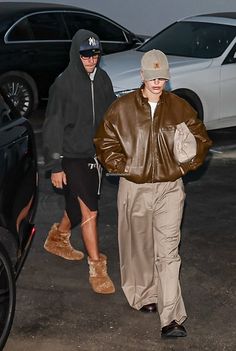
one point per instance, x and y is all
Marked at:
(79, 37)
(76, 105)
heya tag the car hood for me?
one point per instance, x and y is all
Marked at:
(124, 67)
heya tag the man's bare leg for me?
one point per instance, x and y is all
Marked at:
(98, 277)
(64, 225)
(89, 231)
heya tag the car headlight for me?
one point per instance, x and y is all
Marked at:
(123, 92)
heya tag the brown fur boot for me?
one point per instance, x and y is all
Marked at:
(98, 277)
(58, 243)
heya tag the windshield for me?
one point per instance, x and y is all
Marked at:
(192, 39)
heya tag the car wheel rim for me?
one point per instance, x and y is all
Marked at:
(7, 298)
(19, 94)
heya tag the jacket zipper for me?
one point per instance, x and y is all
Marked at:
(152, 142)
(153, 148)
(93, 106)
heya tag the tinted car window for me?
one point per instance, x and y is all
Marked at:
(103, 28)
(42, 26)
(231, 58)
(192, 39)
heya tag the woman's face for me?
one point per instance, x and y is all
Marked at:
(153, 88)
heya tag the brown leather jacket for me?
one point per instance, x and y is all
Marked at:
(131, 144)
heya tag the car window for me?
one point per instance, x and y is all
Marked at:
(106, 30)
(192, 39)
(231, 57)
(41, 26)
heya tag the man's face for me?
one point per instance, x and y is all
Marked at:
(89, 63)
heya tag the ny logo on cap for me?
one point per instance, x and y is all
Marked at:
(92, 41)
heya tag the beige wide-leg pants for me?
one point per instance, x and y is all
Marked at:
(149, 219)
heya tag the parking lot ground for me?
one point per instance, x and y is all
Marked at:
(58, 311)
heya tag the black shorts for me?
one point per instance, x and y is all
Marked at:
(82, 181)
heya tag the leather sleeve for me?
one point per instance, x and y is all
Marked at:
(198, 129)
(109, 150)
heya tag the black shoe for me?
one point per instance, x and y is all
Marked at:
(173, 330)
(151, 307)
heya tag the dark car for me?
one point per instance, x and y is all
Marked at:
(18, 202)
(34, 46)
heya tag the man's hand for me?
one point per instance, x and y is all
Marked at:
(58, 179)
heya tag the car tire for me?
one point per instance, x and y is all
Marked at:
(21, 89)
(7, 296)
(192, 99)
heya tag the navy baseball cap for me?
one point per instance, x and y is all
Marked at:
(90, 47)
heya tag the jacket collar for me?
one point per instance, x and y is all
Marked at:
(142, 100)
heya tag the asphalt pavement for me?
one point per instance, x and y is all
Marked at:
(57, 310)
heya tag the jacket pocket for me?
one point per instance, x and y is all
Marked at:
(165, 140)
(168, 133)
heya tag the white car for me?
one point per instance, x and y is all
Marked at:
(201, 51)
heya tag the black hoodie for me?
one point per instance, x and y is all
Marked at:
(70, 122)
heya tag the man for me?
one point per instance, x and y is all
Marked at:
(77, 102)
(135, 140)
